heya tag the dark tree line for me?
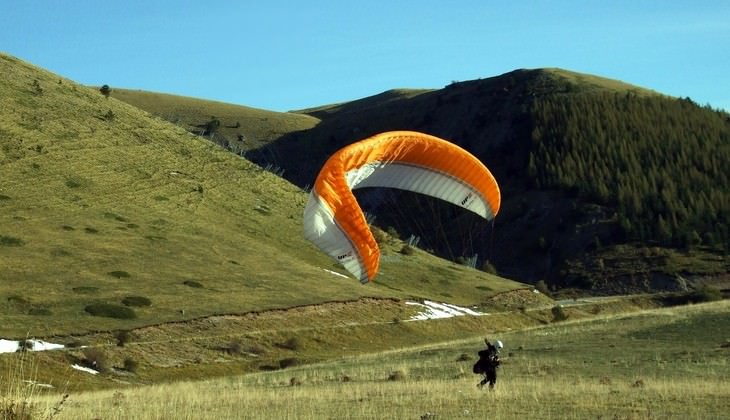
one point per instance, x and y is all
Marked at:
(662, 163)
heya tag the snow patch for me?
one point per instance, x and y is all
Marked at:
(435, 310)
(85, 369)
(11, 346)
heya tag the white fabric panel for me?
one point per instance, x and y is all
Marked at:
(324, 232)
(420, 180)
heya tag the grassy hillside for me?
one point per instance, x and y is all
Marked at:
(666, 363)
(107, 209)
(238, 128)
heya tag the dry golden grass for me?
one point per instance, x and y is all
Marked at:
(555, 371)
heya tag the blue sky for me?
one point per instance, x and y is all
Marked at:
(285, 55)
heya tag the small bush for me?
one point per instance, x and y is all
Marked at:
(235, 348)
(489, 268)
(10, 241)
(559, 313)
(130, 365)
(292, 343)
(706, 294)
(703, 294)
(123, 337)
(74, 182)
(288, 362)
(85, 289)
(463, 357)
(193, 283)
(397, 375)
(542, 287)
(119, 274)
(40, 311)
(110, 310)
(393, 232)
(380, 237)
(407, 250)
(96, 359)
(138, 301)
(25, 345)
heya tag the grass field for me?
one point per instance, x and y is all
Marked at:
(654, 364)
(101, 202)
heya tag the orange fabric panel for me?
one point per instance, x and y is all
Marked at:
(400, 146)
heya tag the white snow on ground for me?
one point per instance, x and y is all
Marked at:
(85, 369)
(434, 310)
(40, 345)
(11, 346)
(8, 346)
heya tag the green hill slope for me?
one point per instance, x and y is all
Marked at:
(103, 203)
(238, 128)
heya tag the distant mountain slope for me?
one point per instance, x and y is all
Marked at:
(104, 207)
(586, 164)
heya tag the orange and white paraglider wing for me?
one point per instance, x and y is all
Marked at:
(405, 160)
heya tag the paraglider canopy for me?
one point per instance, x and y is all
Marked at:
(406, 160)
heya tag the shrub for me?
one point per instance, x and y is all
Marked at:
(119, 274)
(705, 294)
(407, 250)
(489, 268)
(25, 345)
(379, 236)
(138, 301)
(559, 313)
(292, 343)
(123, 337)
(74, 182)
(542, 287)
(393, 232)
(234, 348)
(463, 357)
(288, 362)
(96, 359)
(130, 365)
(193, 283)
(10, 241)
(85, 289)
(110, 310)
(39, 311)
(397, 375)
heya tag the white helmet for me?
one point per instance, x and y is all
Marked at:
(498, 345)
